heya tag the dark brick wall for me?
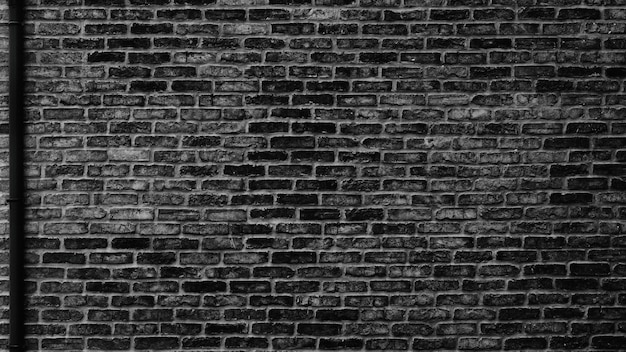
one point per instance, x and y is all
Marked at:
(326, 174)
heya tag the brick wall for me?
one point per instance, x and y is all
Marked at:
(326, 174)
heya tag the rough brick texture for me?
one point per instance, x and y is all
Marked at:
(325, 175)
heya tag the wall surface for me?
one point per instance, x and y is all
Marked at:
(326, 175)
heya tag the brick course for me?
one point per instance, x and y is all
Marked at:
(325, 175)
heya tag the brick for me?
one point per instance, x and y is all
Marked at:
(319, 329)
(324, 174)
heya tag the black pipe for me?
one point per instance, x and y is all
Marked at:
(16, 177)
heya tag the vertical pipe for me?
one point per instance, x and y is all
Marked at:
(16, 176)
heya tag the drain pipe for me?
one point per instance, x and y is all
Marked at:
(16, 177)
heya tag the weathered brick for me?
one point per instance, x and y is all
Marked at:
(317, 161)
